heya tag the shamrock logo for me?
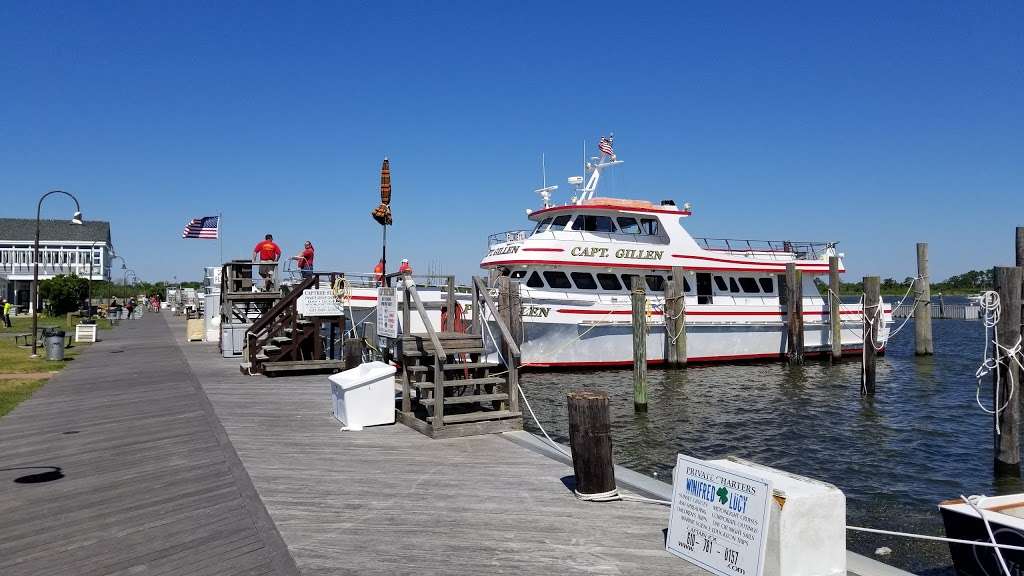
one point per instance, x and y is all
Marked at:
(723, 495)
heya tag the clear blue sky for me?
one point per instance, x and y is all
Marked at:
(877, 125)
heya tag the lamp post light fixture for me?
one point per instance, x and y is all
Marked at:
(75, 219)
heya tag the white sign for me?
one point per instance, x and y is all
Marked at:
(387, 312)
(319, 302)
(719, 518)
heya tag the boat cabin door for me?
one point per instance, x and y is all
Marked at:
(704, 289)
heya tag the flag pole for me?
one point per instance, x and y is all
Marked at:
(220, 236)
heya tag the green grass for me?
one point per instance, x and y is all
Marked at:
(23, 324)
(14, 392)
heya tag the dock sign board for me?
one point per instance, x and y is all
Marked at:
(319, 302)
(387, 312)
(719, 518)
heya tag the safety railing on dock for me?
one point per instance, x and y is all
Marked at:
(943, 312)
(774, 249)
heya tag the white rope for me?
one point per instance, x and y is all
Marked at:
(988, 528)
(993, 356)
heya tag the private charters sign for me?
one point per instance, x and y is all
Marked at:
(719, 518)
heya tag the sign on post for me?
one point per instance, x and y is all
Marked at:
(319, 302)
(387, 312)
(719, 518)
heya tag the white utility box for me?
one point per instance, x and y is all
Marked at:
(364, 395)
(807, 530)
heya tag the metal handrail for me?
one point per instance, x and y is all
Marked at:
(508, 236)
(506, 334)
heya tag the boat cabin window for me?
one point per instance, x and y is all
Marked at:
(720, 282)
(593, 223)
(766, 285)
(584, 281)
(655, 283)
(733, 286)
(557, 279)
(542, 226)
(517, 274)
(535, 281)
(609, 281)
(559, 223)
(649, 226)
(627, 280)
(704, 291)
(749, 286)
(628, 225)
(686, 283)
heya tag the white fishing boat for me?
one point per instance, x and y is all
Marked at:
(576, 265)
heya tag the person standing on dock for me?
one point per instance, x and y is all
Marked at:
(405, 266)
(304, 260)
(267, 251)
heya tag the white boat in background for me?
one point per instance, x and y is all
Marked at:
(575, 269)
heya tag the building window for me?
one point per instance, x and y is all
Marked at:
(584, 281)
(609, 281)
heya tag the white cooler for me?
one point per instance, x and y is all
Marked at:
(364, 395)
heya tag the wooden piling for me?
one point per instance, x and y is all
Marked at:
(639, 298)
(872, 301)
(591, 441)
(835, 309)
(675, 319)
(1007, 283)
(794, 315)
(1020, 245)
(449, 324)
(923, 344)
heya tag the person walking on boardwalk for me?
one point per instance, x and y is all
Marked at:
(130, 307)
(304, 260)
(6, 311)
(267, 251)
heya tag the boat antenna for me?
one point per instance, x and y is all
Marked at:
(545, 191)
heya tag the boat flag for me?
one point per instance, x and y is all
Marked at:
(605, 146)
(205, 228)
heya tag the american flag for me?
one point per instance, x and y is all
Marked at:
(605, 146)
(205, 228)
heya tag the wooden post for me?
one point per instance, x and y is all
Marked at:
(406, 309)
(872, 301)
(449, 325)
(794, 315)
(353, 353)
(515, 311)
(370, 340)
(675, 319)
(475, 326)
(835, 309)
(1020, 245)
(639, 298)
(591, 441)
(1007, 283)
(923, 344)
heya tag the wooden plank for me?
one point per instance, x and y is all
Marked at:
(475, 416)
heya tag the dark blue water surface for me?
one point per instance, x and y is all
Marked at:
(920, 439)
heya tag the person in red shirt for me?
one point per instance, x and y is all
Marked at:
(305, 260)
(267, 251)
(405, 266)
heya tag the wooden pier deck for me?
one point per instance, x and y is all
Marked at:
(178, 464)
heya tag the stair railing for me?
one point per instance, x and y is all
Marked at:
(513, 354)
(286, 304)
(439, 354)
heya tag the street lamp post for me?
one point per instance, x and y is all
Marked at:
(75, 219)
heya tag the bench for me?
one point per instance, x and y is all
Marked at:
(25, 337)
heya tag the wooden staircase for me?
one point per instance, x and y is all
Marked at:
(448, 389)
(283, 342)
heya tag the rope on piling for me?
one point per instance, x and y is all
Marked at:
(993, 355)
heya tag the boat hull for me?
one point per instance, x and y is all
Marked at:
(963, 524)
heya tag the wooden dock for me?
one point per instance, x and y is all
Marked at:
(173, 462)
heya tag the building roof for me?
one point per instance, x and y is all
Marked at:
(24, 230)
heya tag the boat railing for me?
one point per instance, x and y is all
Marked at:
(773, 249)
(507, 236)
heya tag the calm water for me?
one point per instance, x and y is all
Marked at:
(920, 440)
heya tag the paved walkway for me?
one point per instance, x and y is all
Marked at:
(150, 483)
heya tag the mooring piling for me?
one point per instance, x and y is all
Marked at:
(794, 315)
(871, 314)
(1007, 281)
(835, 308)
(639, 298)
(1020, 246)
(923, 344)
(675, 319)
(591, 441)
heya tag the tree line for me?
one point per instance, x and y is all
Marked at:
(966, 283)
(70, 293)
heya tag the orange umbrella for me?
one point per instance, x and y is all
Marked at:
(382, 213)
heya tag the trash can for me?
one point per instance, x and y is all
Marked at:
(53, 340)
(364, 395)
